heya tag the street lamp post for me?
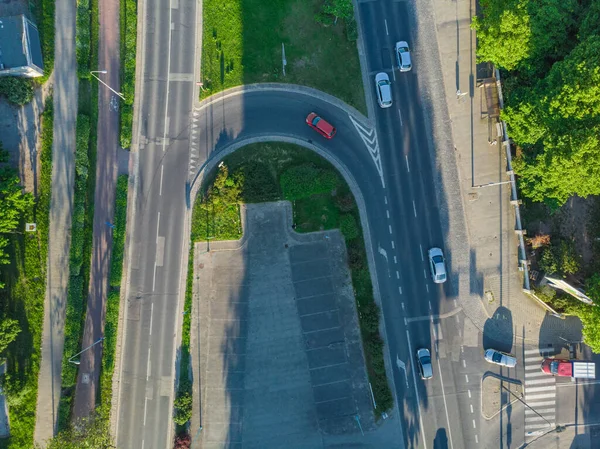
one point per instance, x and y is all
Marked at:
(111, 89)
(76, 362)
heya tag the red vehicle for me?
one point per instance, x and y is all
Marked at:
(569, 368)
(320, 125)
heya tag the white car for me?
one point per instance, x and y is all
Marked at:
(437, 265)
(383, 87)
(424, 359)
(500, 358)
(403, 56)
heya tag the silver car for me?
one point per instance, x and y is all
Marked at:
(383, 87)
(437, 265)
(403, 56)
(500, 358)
(424, 362)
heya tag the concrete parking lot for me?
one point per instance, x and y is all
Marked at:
(276, 344)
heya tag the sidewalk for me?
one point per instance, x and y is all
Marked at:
(104, 201)
(61, 206)
(458, 108)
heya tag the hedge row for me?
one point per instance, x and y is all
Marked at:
(44, 13)
(128, 52)
(77, 289)
(83, 38)
(18, 91)
(119, 221)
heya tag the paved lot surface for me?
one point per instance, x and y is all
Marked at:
(280, 359)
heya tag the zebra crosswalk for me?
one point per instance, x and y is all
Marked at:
(540, 394)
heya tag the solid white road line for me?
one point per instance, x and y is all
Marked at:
(151, 316)
(550, 380)
(446, 404)
(417, 393)
(387, 32)
(162, 168)
(532, 397)
(531, 419)
(540, 425)
(534, 404)
(532, 367)
(541, 411)
(414, 208)
(536, 389)
(407, 167)
(421, 249)
(530, 374)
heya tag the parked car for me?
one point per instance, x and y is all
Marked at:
(403, 56)
(320, 125)
(569, 368)
(437, 265)
(383, 87)
(424, 362)
(500, 358)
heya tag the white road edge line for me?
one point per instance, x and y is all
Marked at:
(421, 248)
(407, 166)
(415, 208)
(401, 124)
(151, 316)
(445, 403)
(387, 32)
(417, 392)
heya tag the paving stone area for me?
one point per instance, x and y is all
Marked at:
(276, 351)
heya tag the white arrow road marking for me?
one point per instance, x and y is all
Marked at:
(401, 365)
(369, 137)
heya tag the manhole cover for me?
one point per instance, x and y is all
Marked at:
(85, 378)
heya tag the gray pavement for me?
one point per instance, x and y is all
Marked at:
(276, 346)
(61, 206)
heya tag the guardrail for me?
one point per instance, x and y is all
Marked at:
(514, 199)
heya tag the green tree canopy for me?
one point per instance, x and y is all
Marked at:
(503, 32)
(9, 329)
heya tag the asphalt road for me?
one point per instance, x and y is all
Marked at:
(148, 355)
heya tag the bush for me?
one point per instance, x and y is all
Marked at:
(120, 221)
(349, 227)
(258, 183)
(183, 409)
(561, 259)
(351, 30)
(183, 441)
(44, 12)
(82, 39)
(306, 180)
(128, 52)
(18, 91)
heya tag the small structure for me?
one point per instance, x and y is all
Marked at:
(20, 48)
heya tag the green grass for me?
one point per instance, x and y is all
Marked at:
(242, 45)
(333, 209)
(43, 10)
(128, 52)
(23, 300)
(119, 221)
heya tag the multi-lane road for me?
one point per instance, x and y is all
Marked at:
(392, 167)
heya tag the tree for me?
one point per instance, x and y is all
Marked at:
(183, 409)
(503, 32)
(9, 329)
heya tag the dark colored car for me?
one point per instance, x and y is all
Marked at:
(320, 125)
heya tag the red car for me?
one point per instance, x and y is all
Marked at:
(321, 126)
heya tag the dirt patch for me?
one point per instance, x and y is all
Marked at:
(497, 394)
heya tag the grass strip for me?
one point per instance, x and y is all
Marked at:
(128, 52)
(321, 200)
(242, 44)
(23, 300)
